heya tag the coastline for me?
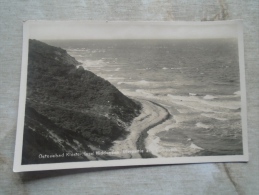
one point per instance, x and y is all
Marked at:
(141, 142)
(152, 115)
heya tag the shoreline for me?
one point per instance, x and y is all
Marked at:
(144, 134)
(152, 114)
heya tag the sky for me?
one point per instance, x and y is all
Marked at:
(58, 30)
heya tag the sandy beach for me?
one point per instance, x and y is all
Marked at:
(151, 115)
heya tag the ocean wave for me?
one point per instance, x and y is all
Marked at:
(142, 82)
(77, 55)
(169, 127)
(209, 97)
(217, 104)
(143, 92)
(114, 78)
(147, 84)
(214, 116)
(202, 125)
(193, 146)
(233, 105)
(76, 50)
(92, 63)
(154, 146)
(183, 98)
(153, 142)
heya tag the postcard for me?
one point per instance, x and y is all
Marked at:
(102, 94)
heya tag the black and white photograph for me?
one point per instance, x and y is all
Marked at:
(97, 94)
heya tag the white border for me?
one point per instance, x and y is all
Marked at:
(18, 167)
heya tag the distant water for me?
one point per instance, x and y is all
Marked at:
(196, 80)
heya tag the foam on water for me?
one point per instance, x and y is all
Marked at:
(115, 78)
(201, 125)
(154, 146)
(155, 87)
(223, 104)
(93, 64)
(169, 127)
(190, 103)
(143, 92)
(136, 83)
(184, 98)
(76, 50)
(214, 116)
(193, 146)
(209, 97)
(195, 102)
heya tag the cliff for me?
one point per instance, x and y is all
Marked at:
(69, 109)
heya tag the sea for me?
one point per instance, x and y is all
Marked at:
(197, 81)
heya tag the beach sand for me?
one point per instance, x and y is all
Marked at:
(151, 114)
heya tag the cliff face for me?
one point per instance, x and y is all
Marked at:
(68, 108)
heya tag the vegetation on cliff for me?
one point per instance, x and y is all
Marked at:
(69, 108)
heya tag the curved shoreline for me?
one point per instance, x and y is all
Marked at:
(152, 114)
(143, 135)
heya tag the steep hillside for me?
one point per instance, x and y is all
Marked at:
(69, 108)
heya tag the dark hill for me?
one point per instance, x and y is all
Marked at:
(69, 109)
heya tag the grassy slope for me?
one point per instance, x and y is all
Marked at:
(74, 101)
